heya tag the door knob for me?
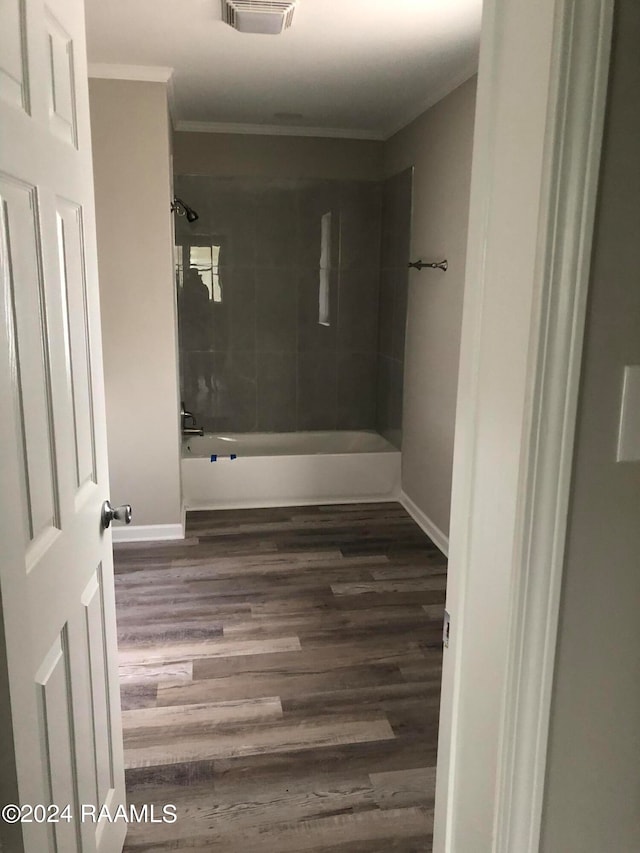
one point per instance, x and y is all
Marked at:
(118, 513)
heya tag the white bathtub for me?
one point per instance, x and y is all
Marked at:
(285, 469)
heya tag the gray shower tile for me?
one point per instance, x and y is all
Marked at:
(260, 359)
(189, 185)
(194, 191)
(358, 310)
(386, 312)
(387, 233)
(360, 223)
(182, 371)
(238, 287)
(276, 217)
(276, 399)
(396, 220)
(400, 302)
(276, 310)
(317, 390)
(220, 316)
(196, 317)
(226, 210)
(315, 199)
(313, 335)
(197, 368)
(390, 393)
(357, 385)
(383, 395)
(395, 402)
(232, 402)
(220, 389)
(233, 228)
(227, 324)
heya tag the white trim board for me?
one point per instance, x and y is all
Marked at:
(539, 119)
(439, 539)
(147, 532)
(576, 122)
(143, 73)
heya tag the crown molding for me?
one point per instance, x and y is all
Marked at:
(142, 73)
(278, 130)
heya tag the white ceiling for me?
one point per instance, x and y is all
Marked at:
(361, 68)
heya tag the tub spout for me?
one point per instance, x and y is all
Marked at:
(192, 431)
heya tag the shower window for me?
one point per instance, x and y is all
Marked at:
(206, 259)
(179, 267)
(324, 306)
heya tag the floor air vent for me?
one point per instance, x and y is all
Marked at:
(269, 17)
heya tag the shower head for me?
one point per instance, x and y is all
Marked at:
(182, 209)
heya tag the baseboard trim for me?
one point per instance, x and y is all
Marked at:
(439, 539)
(148, 532)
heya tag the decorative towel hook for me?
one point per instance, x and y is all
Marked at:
(440, 265)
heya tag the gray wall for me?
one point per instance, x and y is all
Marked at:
(438, 144)
(131, 158)
(592, 796)
(259, 360)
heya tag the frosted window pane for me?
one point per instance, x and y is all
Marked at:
(324, 307)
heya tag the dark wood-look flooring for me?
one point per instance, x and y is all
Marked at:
(280, 678)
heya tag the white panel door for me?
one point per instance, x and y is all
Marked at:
(57, 631)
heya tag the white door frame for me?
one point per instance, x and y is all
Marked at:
(539, 123)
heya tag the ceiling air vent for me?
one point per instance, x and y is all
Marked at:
(269, 17)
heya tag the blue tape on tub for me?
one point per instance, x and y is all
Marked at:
(214, 457)
(233, 456)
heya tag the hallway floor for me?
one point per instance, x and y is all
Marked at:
(280, 678)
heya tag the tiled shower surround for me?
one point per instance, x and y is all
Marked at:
(290, 329)
(394, 293)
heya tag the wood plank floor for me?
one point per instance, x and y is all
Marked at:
(280, 679)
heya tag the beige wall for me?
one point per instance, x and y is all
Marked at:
(592, 801)
(131, 157)
(438, 144)
(235, 155)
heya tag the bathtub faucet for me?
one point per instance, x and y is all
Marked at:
(187, 416)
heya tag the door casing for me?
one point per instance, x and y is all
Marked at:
(539, 123)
